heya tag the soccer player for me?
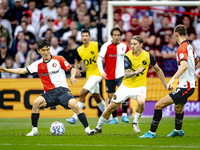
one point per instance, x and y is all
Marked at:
(112, 52)
(136, 65)
(187, 60)
(51, 70)
(88, 52)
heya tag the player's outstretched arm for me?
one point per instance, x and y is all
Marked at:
(180, 71)
(161, 76)
(77, 66)
(16, 71)
(72, 78)
(129, 73)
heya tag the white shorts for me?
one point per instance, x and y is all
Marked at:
(124, 93)
(92, 84)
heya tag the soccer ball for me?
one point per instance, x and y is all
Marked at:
(57, 128)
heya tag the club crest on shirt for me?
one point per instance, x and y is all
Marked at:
(126, 64)
(54, 64)
(115, 97)
(144, 62)
(66, 63)
(91, 52)
(181, 55)
(122, 48)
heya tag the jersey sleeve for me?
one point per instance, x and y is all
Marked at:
(182, 53)
(152, 60)
(33, 67)
(103, 50)
(64, 64)
(99, 46)
(127, 63)
(78, 57)
(128, 48)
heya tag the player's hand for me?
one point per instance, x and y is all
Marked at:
(104, 75)
(169, 85)
(73, 80)
(78, 73)
(2, 69)
(140, 69)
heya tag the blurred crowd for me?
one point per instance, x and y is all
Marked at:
(23, 22)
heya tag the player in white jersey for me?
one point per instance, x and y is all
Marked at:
(187, 60)
(113, 54)
(51, 70)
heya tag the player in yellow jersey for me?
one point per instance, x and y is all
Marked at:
(88, 52)
(136, 64)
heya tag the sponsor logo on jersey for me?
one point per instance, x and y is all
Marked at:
(54, 64)
(49, 73)
(144, 62)
(66, 63)
(181, 55)
(91, 52)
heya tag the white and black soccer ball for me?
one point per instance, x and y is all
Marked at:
(57, 128)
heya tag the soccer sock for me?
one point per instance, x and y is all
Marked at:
(125, 106)
(101, 122)
(34, 119)
(124, 114)
(102, 106)
(114, 114)
(83, 119)
(81, 105)
(137, 117)
(179, 121)
(156, 120)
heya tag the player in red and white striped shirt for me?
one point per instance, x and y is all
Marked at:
(51, 70)
(113, 53)
(187, 60)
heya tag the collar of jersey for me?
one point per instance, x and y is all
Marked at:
(184, 41)
(48, 61)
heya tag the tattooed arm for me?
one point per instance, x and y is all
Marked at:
(129, 73)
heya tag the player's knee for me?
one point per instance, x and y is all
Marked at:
(36, 103)
(96, 97)
(178, 109)
(141, 103)
(158, 106)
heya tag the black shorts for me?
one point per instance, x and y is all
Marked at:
(59, 95)
(111, 84)
(180, 95)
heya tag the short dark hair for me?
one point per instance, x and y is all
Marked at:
(181, 30)
(73, 38)
(42, 42)
(116, 29)
(138, 38)
(85, 31)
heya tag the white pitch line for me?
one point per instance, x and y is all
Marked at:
(80, 145)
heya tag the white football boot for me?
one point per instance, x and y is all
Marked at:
(34, 132)
(89, 131)
(136, 128)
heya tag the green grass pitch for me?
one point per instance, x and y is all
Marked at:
(113, 137)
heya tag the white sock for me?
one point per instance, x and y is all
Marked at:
(124, 114)
(102, 105)
(137, 117)
(177, 130)
(101, 122)
(116, 118)
(152, 132)
(35, 128)
(81, 105)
